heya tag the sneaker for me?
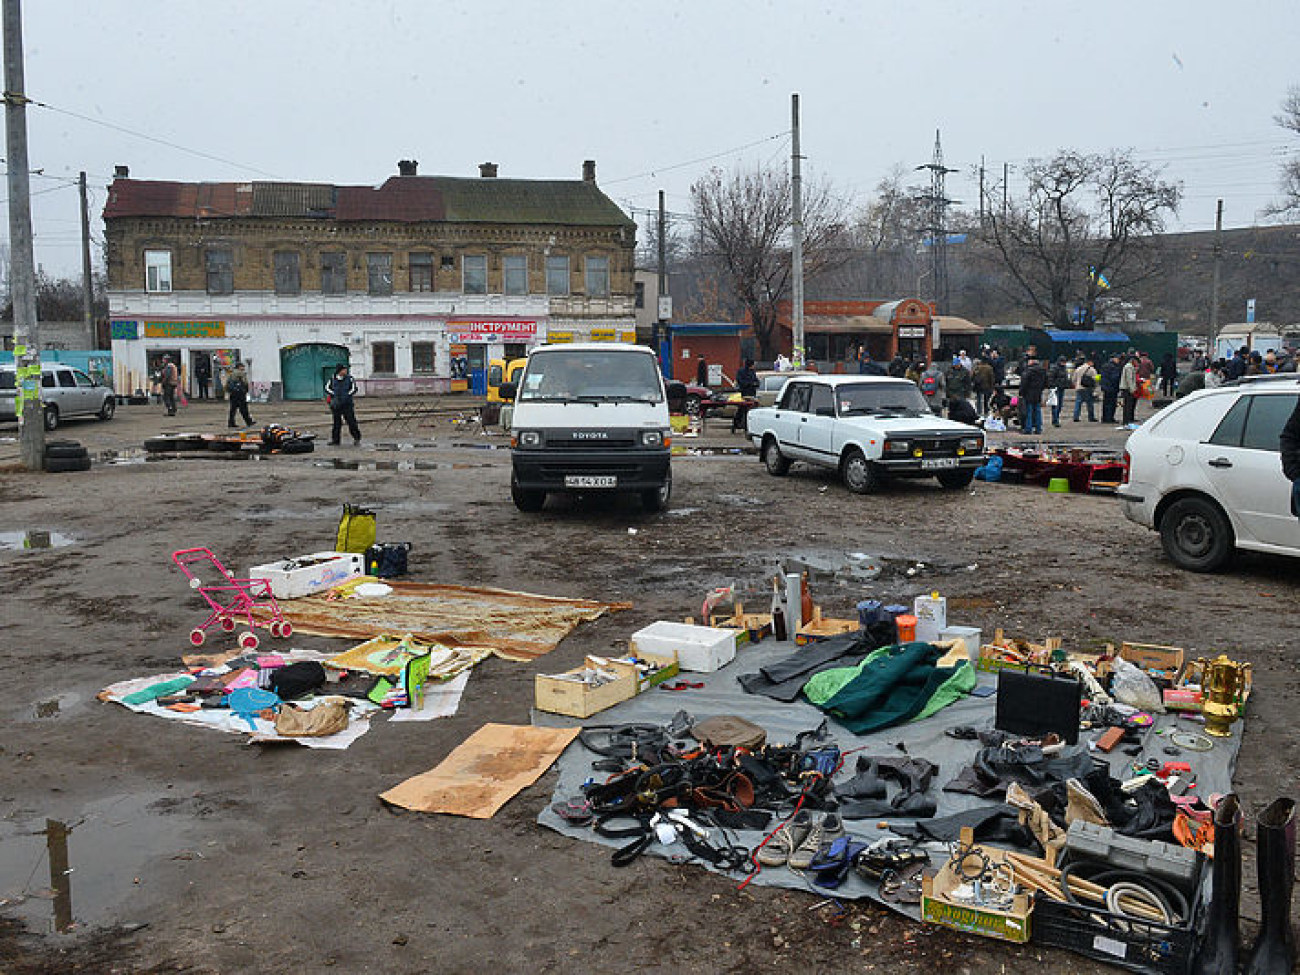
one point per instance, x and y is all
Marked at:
(786, 840)
(829, 829)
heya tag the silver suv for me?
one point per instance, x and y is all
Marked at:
(65, 392)
(1206, 473)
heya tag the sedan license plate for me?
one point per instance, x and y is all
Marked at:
(938, 463)
(588, 481)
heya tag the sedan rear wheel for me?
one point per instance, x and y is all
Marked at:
(777, 463)
(1196, 535)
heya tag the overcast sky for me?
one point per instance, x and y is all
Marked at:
(656, 93)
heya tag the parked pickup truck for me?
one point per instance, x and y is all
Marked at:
(868, 428)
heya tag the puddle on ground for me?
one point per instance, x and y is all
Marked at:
(853, 568)
(345, 464)
(108, 844)
(33, 539)
(403, 445)
(683, 451)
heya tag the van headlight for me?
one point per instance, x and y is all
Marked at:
(527, 438)
(652, 438)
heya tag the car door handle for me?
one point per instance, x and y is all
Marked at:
(803, 419)
(1219, 462)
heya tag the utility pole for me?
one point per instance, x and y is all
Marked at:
(1214, 287)
(87, 286)
(981, 192)
(22, 273)
(796, 245)
(661, 311)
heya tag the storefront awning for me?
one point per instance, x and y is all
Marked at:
(846, 325)
(952, 325)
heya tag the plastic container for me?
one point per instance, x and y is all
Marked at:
(906, 624)
(702, 649)
(1058, 485)
(931, 614)
(869, 612)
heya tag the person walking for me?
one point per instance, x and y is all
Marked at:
(340, 394)
(1085, 389)
(1059, 381)
(170, 378)
(1032, 384)
(1111, 371)
(933, 387)
(1168, 374)
(203, 373)
(237, 393)
(747, 384)
(1128, 388)
(982, 381)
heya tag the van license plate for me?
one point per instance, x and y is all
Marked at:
(587, 481)
(938, 463)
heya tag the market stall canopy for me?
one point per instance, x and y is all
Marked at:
(952, 325)
(1078, 335)
(847, 324)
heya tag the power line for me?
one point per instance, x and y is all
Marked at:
(696, 162)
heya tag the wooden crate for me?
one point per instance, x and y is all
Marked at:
(820, 628)
(559, 695)
(752, 627)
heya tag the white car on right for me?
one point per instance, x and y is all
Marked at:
(1206, 473)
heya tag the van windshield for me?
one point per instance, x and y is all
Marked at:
(591, 376)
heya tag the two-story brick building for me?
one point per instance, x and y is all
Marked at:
(416, 283)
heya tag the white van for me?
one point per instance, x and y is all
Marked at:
(590, 417)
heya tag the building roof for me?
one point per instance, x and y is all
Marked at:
(399, 199)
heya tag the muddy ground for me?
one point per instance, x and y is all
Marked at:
(194, 852)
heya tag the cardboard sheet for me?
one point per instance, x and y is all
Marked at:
(517, 625)
(484, 772)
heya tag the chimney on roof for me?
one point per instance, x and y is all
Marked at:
(487, 170)
(589, 170)
(121, 172)
(407, 167)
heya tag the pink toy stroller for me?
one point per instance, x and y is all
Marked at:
(231, 599)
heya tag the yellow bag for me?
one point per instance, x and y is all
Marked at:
(356, 530)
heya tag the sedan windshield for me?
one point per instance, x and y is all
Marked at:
(861, 399)
(594, 376)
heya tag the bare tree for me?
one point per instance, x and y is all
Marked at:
(1289, 118)
(59, 299)
(888, 231)
(1083, 227)
(744, 219)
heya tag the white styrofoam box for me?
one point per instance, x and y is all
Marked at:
(931, 614)
(307, 574)
(972, 635)
(698, 648)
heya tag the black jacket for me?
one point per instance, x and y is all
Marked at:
(1032, 384)
(1110, 376)
(342, 390)
(1289, 443)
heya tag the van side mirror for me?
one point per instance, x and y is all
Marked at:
(508, 391)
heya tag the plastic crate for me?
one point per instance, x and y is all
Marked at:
(1140, 946)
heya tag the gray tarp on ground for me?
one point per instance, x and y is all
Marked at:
(723, 695)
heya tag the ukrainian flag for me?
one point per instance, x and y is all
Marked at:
(1098, 277)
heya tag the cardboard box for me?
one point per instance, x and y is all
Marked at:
(308, 574)
(698, 648)
(559, 694)
(1012, 925)
(1164, 664)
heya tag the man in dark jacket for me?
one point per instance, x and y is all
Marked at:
(1289, 445)
(1032, 383)
(1111, 371)
(959, 384)
(340, 393)
(1059, 380)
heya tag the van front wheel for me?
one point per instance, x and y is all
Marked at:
(656, 499)
(526, 499)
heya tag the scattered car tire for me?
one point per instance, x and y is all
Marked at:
(859, 474)
(692, 406)
(657, 499)
(297, 446)
(955, 480)
(108, 409)
(1196, 535)
(63, 465)
(777, 463)
(526, 499)
(51, 417)
(65, 451)
(175, 444)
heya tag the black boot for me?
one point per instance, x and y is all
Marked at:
(1218, 954)
(1274, 949)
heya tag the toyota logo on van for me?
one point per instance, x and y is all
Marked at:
(590, 435)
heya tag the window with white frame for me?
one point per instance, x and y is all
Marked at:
(473, 268)
(557, 276)
(514, 272)
(157, 271)
(597, 277)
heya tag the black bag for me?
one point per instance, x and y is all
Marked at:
(296, 680)
(387, 559)
(1087, 381)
